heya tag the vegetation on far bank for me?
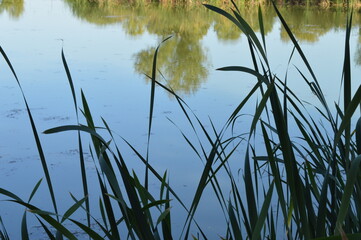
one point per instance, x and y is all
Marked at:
(226, 3)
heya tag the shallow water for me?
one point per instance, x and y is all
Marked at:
(109, 50)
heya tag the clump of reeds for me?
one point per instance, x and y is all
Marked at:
(312, 187)
(316, 178)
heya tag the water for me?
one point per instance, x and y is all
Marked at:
(109, 50)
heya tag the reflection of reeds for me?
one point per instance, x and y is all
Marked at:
(301, 179)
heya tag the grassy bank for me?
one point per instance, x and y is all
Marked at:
(310, 187)
(225, 3)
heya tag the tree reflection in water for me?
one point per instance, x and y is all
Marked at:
(15, 8)
(183, 60)
(308, 24)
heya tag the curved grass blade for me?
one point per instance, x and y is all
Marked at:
(76, 128)
(24, 228)
(166, 222)
(46, 216)
(162, 216)
(354, 103)
(207, 170)
(102, 213)
(35, 134)
(109, 209)
(347, 87)
(234, 223)
(261, 107)
(252, 37)
(156, 174)
(35, 189)
(242, 25)
(352, 175)
(80, 146)
(3, 233)
(72, 209)
(276, 174)
(46, 229)
(65, 64)
(235, 6)
(152, 96)
(263, 214)
(91, 233)
(261, 28)
(105, 228)
(142, 220)
(10, 194)
(321, 215)
(295, 43)
(246, 70)
(358, 136)
(250, 193)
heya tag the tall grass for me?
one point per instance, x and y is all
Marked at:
(310, 187)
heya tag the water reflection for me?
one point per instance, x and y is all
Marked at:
(183, 60)
(15, 8)
(357, 57)
(227, 31)
(310, 23)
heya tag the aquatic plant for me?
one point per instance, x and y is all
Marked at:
(310, 187)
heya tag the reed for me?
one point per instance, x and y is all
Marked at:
(310, 186)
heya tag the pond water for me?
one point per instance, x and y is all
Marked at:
(109, 49)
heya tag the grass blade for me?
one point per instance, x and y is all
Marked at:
(35, 134)
(263, 214)
(80, 146)
(352, 175)
(152, 96)
(72, 209)
(35, 189)
(24, 228)
(234, 224)
(91, 233)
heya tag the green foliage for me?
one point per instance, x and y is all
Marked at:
(14, 8)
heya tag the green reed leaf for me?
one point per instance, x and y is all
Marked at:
(35, 133)
(72, 209)
(91, 233)
(352, 174)
(263, 213)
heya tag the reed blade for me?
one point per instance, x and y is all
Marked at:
(35, 134)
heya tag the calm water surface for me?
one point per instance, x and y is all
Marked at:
(109, 49)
